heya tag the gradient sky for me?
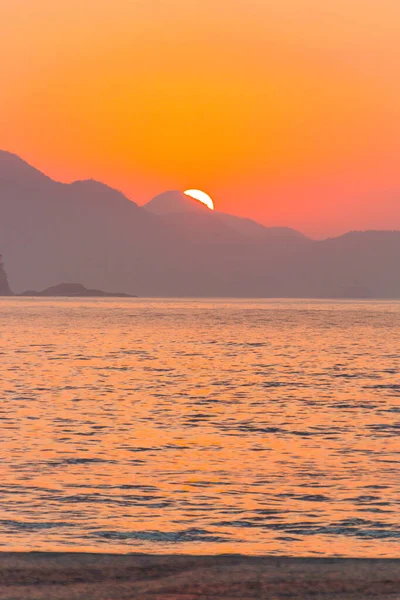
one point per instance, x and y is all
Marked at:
(287, 111)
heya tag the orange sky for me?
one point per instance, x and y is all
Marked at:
(287, 111)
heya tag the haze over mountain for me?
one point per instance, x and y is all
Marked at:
(176, 202)
(88, 232)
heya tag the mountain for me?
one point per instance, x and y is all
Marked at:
(174, 246)
(182, 209)
(13, 169)
(174, 201)
(88, 232)
(84, 231)
(190, 218)
(255, 230)
(4, 287)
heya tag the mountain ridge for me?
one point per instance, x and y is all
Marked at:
(87, 231)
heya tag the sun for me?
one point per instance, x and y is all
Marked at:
(201, 196)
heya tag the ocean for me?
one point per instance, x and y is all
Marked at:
(200, 426)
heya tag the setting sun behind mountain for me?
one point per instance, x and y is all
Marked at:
(202, 197)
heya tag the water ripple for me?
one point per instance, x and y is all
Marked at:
(264, 427)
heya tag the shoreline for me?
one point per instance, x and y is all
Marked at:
(73, 575)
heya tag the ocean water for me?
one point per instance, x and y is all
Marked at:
(200, 426)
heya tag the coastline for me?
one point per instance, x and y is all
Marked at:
(70, 575)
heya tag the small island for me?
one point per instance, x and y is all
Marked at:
(74, 290)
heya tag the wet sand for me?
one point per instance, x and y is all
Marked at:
(73, 576)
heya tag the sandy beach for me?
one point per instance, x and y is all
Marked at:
(68, 576)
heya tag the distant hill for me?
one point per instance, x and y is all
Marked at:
(174, 246)
(255, 230)
(84, 231)
(184, 210)
(73, 290)
(174, 201)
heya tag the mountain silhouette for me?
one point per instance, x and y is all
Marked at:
(174, 201)
(255, 230)
(173, 246)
